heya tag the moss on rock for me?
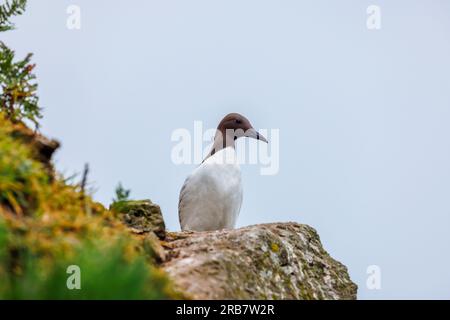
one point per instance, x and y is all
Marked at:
(142, 216)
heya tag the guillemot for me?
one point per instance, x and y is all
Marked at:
(211, 196)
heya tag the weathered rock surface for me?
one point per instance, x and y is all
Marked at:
(141, 216)
(267, 261)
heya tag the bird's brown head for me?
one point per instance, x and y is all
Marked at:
(232, 127)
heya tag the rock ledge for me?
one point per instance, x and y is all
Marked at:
(266, 261)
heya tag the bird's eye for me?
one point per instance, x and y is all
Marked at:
(238, 121)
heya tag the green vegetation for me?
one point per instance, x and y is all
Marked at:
(21, 177)
(9, 9)
(45, 227)
(122, 194)
(105, 273)
(18, 98)
(46, 223)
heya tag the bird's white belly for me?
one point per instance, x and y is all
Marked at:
(212, 196)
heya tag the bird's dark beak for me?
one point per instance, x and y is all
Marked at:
(252, 133)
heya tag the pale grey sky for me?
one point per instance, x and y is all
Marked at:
(363, 115)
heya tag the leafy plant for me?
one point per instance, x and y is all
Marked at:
(18, 98)
(9, 9)
(122, 194)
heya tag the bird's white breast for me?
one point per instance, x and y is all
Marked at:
(211, 196)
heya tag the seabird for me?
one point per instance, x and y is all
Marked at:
(211, 196)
